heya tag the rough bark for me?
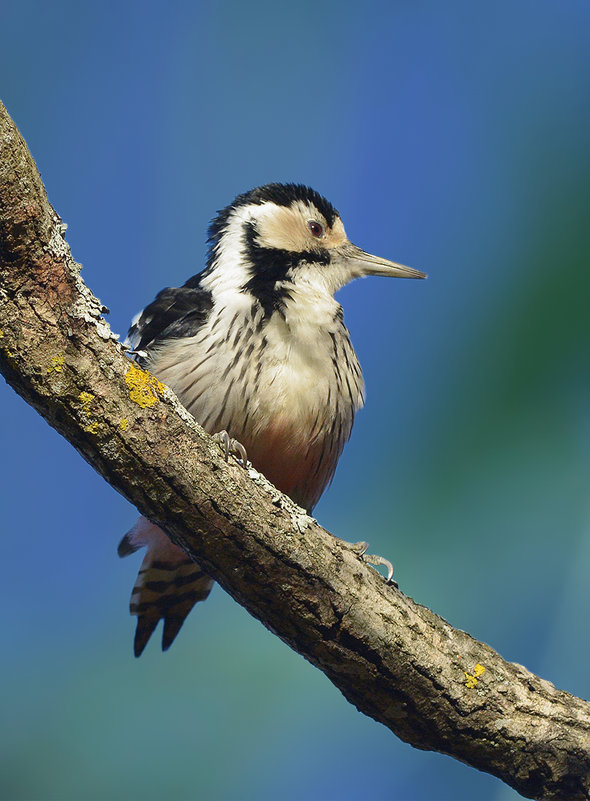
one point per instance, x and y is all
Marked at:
(432, 685)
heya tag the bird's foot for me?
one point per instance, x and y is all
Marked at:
(231, 447)
(141, 354)
(360, 548)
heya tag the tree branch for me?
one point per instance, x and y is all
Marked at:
(432, 685)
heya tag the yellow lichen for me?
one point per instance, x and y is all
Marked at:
(471, 680)
(57, 363)
(11, 358)
(86, 398)
(1, 333)
(144, 388)
(124, 424)
(91, 426)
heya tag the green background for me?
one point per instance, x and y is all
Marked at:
(452, 137)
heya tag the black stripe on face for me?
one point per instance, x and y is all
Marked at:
(269, 283)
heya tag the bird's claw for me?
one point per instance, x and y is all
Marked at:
(360, 548)
(232, 447)
(132, 352)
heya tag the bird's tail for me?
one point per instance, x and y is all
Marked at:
(167, 587)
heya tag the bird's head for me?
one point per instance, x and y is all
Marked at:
(287, 234)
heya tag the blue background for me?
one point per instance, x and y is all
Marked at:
(452, 137)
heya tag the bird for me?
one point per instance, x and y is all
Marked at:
(256, 349)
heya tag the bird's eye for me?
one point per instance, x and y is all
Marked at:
(316, 229)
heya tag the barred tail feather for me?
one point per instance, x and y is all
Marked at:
(167, 587)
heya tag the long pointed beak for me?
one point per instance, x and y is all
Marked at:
(366, 264)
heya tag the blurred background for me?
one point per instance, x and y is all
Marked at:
(452, 137)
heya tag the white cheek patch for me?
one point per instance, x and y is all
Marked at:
(231, 271)
(322, 280)
(285, 227)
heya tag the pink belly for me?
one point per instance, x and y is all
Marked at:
(297, 465)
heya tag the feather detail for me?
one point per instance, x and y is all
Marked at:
(167, 587)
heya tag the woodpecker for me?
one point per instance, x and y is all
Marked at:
(256, 349)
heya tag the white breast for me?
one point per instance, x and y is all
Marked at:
(293, 379)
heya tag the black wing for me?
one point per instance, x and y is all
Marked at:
(175, 312)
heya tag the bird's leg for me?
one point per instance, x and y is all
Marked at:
(231, 446)
(360, 548)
